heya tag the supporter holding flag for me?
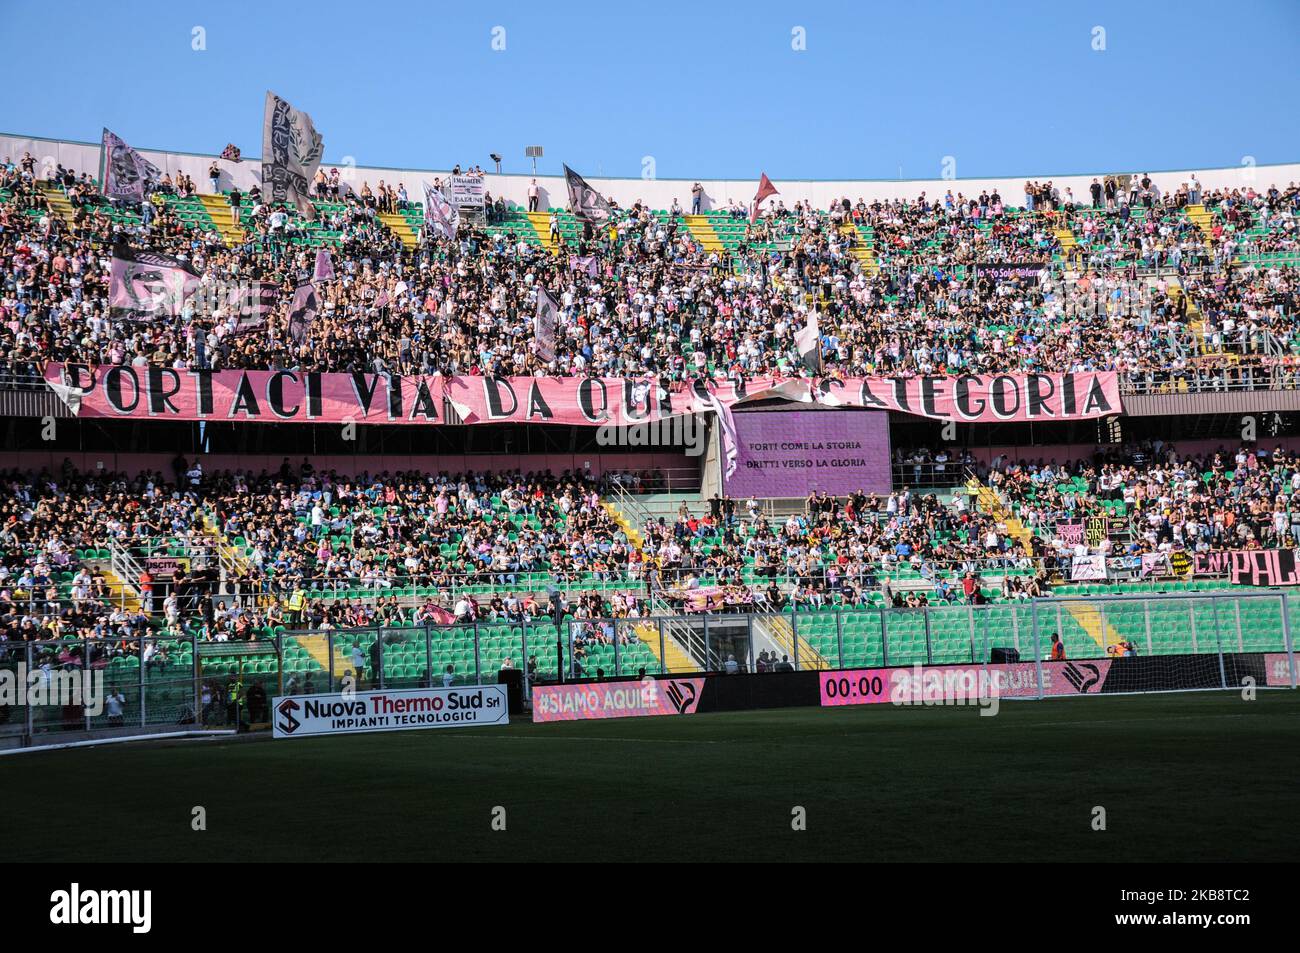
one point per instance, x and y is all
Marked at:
(440, 216)
(765, 188)
(127, 175)
(544, 325)
(808, 342)
(585, 202)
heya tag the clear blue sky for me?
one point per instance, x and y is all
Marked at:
(707, 89)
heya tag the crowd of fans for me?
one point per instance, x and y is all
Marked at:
(1130, 282)
(1226, 500)
(306, 549)
(324, 531)
(1140, 288)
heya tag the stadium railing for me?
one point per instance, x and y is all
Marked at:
(899, 573)
(1230, 378)
(75, 689)
(1094, 627)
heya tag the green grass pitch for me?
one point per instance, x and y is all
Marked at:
(1189, 777)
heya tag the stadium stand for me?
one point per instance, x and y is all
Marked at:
(1156, 288)
(410, 576)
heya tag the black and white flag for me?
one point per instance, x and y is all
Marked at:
(291, 154)
(544, 321)
(808, 341)
(128, 176)
(302, 312)
(584, 201)
(144, 284)
(440, 216)
(250, 304)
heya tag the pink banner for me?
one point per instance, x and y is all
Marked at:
(1277, 669)
(940, 684)
(670, 696)
(292, 396)
(1250, 567)
(709, 598)
(144, 284)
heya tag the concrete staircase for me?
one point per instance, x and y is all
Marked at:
(674, 658)
(123, 591)
(624, 523)
(219, 211)
(703, 232)
(58, 203)
(541, 222)
(1069, 243)
(399, 226)
(1195, 319)
(317, 646)
(989, 502)
(1201, 217)
(230, 559)
(779, 633)
(1092, 620)
(863, 247)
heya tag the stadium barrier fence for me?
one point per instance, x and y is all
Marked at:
(1202, 640)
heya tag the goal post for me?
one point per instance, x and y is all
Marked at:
(1131, 644)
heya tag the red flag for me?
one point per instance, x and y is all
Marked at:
(765, 188)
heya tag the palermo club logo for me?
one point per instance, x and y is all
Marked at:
(681, 695)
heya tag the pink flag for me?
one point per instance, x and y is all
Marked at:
(440, 615)
(324, 270)
(145, 284)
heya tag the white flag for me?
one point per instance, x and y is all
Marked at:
(808, 341)
(440, 216)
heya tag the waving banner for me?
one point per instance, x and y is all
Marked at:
(145, 284)
(586, 203)
(278, 396)
(251, 303)
(544, 324)
(440, 216)
(291, 153)
(127, 175)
